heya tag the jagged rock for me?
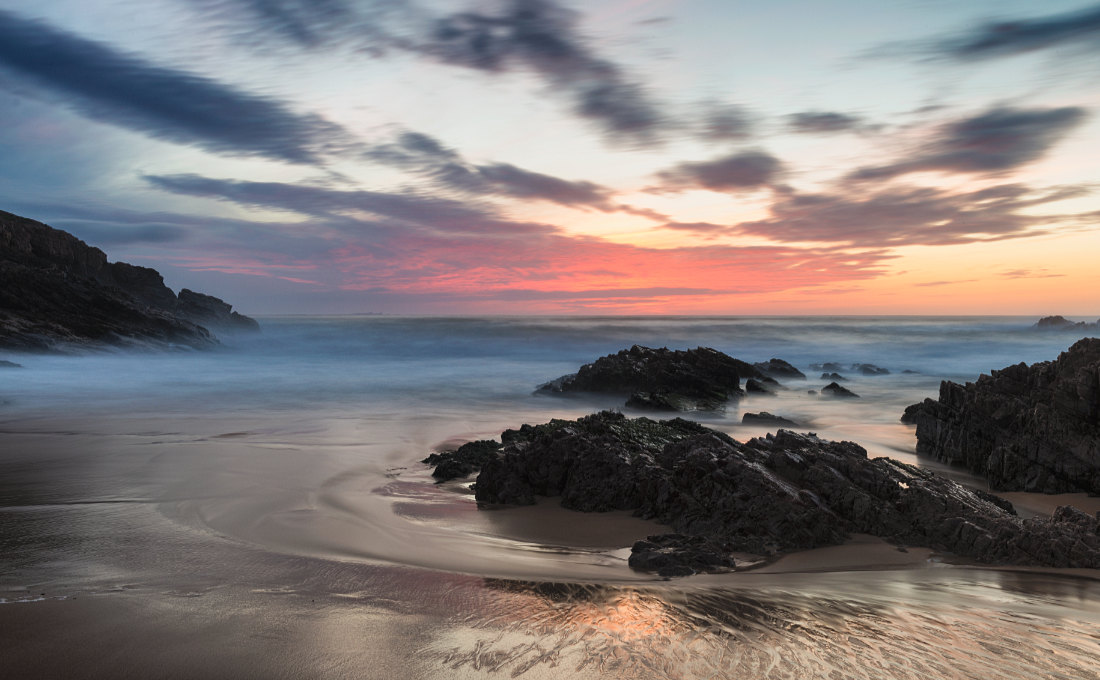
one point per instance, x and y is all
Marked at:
(1024, 428)
(463, 461)
(672, 555)
(662, 379)
(57, 292)
(767, 496)
(1061, 323)
(777, 368)
(765, 418)
(754, 386)
(838, 391)
(835, 377)
(212, 312)
(9, 364)
(870, 369)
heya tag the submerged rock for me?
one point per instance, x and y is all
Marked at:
(9, 364)
(838, 391)
(870, 369)
(662, 379)
(835, 377)
(777, 368)
(768, 496)
(765, 418)
(57, 292)
(1024, 428)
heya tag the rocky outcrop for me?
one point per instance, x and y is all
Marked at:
(838, 391)
(870, 369)
(777, 368)
(1024, 428)
(212, 312)
(662, 379)
(463, 461)
(834, 377)
(9, 364)
(57, 292)
(1061, 323)
(767, 496)
(765, 418)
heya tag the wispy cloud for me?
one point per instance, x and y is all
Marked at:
(127, 91)
(1016, 36)
(995, 141)
(823, 122)
(738, 171)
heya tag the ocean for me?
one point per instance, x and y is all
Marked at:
(261, 511)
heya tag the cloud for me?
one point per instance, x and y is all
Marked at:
(1005, 38)
(742, 170)
(995, 141)
(823, 122)
(431, 213)
(126, 91)
(724, 122)
(901, 216)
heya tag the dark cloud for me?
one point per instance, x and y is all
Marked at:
(1079, 28)
(543, 36)
(129, 92)
(909, 216)
(435, 214)
(823, 122)
(998, 140)
(724, 122)
(742, 170)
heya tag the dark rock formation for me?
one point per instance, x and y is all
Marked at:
(1025, 428)
(834, 377)
(777, 368)
(754, 386)
(827, 366)
(212, 312)
(662, 379)
(1061, 323)
(765, 418)
(838, 391)
(9, 364)
(870, 369)
(672, 555)
(463, 461)
(56, 291)
(768, 496)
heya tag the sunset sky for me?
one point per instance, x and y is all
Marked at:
(554, 157)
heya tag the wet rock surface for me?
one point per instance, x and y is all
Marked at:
(1024, 428)
(57, 292)
(463, 461)
(834, 377)
(768, 496)
(662, 379)
(838, 391)
(777, 368)
(765, 418)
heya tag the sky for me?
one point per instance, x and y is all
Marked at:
(556, 157)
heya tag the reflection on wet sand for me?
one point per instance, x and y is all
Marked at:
(943, 629)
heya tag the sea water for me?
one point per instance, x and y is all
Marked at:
(304, 442)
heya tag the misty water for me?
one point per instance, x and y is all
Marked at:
(283, 470)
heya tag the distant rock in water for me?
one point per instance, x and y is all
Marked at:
(754, 386)
(1025, 428)
(662, 379)
(870, 369)
(56, 292)
(767, 496)
(765, 418)
(777, 368)
(834, 377)
(838, 391)
(9, 364)
(1061, 323)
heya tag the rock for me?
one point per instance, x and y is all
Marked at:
(835, 377)
(1024, 428)
(765, 418)
(753, 386)
(1061, 323)
(212, 312)
(463, 461)
(56, 292)
(870, 369)
(9, 364)
(838, 391)
(777, 368)
(767, 496)
(827, 366)
(662, 379)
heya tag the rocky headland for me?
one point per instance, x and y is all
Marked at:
(663, 379)
(58, 293)
(765, 497)
(1024, 428)
(1061, 323)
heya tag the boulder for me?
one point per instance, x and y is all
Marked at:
(1024, 428)
(765, 418)
(754, 386)
(777, 368)
(869, 369)
(767, 496)
(834, 377)
(662, 379)
(463, 461)
(838, 391)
